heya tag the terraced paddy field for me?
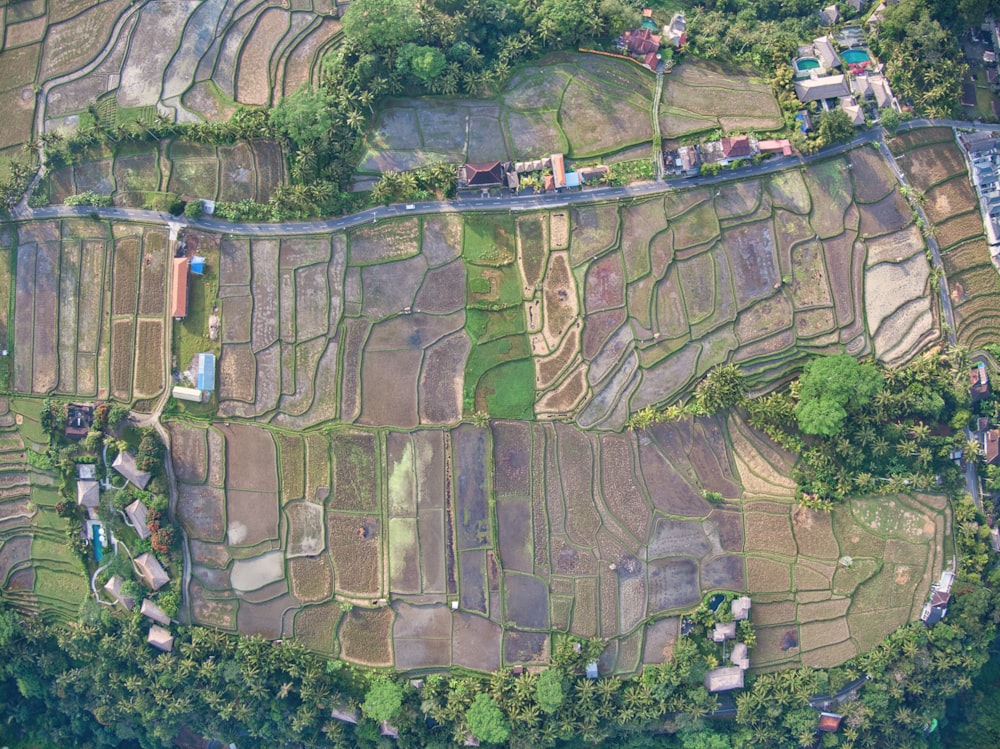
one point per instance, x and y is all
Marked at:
(598, 535)
(935, 164)
(342, 464)
(586, 106)
(585, 314)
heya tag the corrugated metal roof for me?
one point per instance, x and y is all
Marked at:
(206, 372)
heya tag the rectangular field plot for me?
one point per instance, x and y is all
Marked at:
(149, 358)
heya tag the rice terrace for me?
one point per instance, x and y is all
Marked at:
(336, 472)
(453, 433)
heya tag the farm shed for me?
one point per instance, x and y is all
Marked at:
(179, 289)
(153, 612)
(125, 465)
(829, 722)
(206, 372)
(724, 679)
(188, 394)
(151, 570)
(136, 513)
(160, 638)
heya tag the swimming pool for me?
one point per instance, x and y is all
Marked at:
(855, 56)
(806, 63)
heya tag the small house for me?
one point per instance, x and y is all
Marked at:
(88, 494)
(345, 714)
(820, 89)
(79, 419)
(86, 471)
(592, 173)
(640, 42)
(676, 32)
(188, 394)
(160, 638)
(153, 612)
(724, 679)
(470, 740)
(558, 170)
(179, 288)
(486, 174)
(573, 180)
(826, 52)
(592, 672)
(206, 372)
(136, 514)
(979, 383)
(741, 608)
(690, 160)
(991, 446)
(853, 110)
(388, 730)
(724, 631)
(782, 147)
(829, 722)
(125, 465)
(151, 571)
(114, 587)
(737, 147)
(198, 265)
(829, 15)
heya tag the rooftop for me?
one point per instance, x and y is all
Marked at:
(160, 638)
(724, 679)
(125, 465)
(151, 570)
(136, 513)
(741, 608)
(179, 288)
(151, 611)
(829, 722)
(114, 587)
(724, 631)
(88, 494)
(483, 174)
(827, 87)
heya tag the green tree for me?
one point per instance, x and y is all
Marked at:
(829, 387)
(723, 387)
(380, 25)
(194, 208)
(549, 692)
(889, 118)
(835, 127)
(383, 701)
(423, 63)
(570, 21)
(486, 721)
(304, 117)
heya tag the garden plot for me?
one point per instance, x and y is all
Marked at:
(708, 91)
(251, 485)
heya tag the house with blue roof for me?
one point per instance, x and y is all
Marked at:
(206, 372)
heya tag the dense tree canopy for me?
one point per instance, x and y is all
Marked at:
(486, 721)
(829, 387)
(381, 24)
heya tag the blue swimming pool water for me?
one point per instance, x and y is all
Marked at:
(854, 56)
(806, 63)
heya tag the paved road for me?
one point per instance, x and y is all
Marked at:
(513, 203)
